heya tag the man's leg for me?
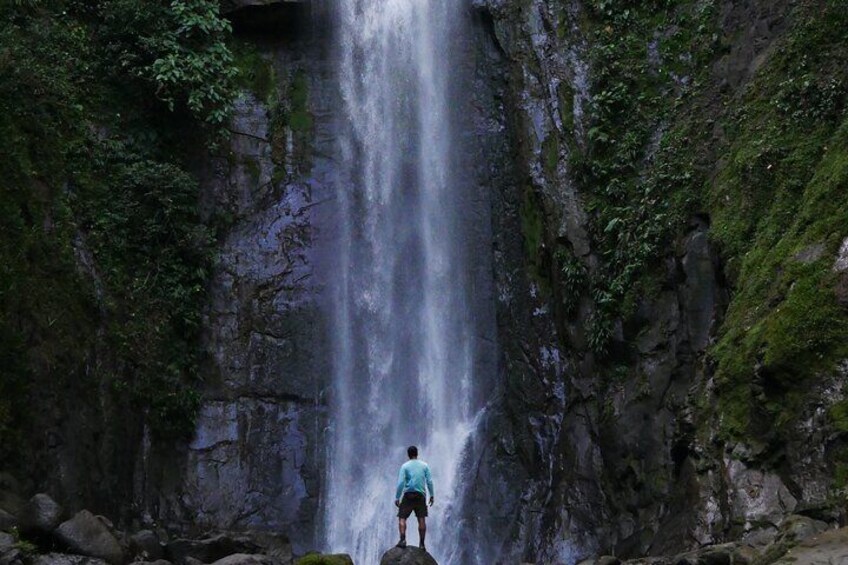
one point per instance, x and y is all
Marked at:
(402, 530)
(422, 530)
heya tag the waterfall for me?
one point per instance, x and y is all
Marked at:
(402, 325)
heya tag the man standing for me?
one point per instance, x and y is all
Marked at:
(411, 496)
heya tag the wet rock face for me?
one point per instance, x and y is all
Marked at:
(254, 460)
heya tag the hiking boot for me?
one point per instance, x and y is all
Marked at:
(402, 543)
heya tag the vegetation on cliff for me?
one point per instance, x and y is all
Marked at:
(762, 157)
(103, 256)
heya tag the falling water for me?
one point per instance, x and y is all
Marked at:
(403, 335)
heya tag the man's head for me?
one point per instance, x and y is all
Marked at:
(412, 451)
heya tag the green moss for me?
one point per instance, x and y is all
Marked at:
(300, 120)
(316, 559)
(290, 116)
(252, 167)
(565, 97)
(532, 227)
(840, 475)
(103, 257)
(783, 189)
(256, 73)
(550, 155)
(838, 416)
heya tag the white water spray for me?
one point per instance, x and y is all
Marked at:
(403, 333)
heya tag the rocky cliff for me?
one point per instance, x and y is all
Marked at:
(662, 388)
(255, 458)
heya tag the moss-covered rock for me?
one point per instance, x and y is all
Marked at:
(318, 559)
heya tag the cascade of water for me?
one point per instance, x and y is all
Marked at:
(403, 335)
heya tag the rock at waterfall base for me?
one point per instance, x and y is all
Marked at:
(318, 559)
(211, 549)
(246, 559)
(407, 556)
(86, 534)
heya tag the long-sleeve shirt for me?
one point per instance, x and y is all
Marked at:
(414, 474)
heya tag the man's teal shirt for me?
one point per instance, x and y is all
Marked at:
(414, 474)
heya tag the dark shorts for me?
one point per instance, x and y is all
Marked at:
(413, 501)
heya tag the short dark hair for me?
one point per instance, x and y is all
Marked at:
(412, 451)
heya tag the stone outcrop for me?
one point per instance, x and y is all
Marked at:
(319, 559)
(407, 556)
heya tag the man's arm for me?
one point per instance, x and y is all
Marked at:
(429, 480)
(400, 485)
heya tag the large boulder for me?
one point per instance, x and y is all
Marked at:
(273, 545)
(86, 534)
(318, 559)
(41, 514)
(12, 556)
(210, 549)
(407, 556)
(826, 547)
(797, 528)
(247, 559)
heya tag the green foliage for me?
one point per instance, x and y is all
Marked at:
(599, 332)
(26, 547)
(194, 65)
(255, 73)
(768, 165)
(103, 258)
(572, 279)
(838, 416)
(640, 190)
(152, 251)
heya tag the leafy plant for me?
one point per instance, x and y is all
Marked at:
(194, 63)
